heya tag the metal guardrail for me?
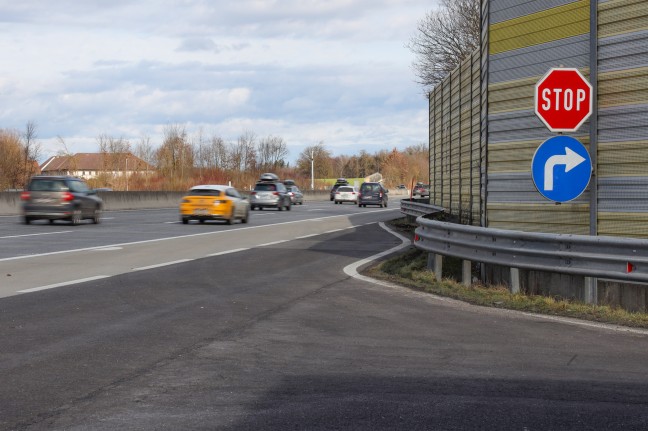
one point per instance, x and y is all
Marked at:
(417, 209)
(613, 258)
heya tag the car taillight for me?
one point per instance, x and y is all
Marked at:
(337, 193)
(67, 197)
(291, 194)
(276, 193)
(353, 193)
(25, 196)
(253, 193)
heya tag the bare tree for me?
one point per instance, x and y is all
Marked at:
(321, 157)
(31, 150)
(11, 153)
(443, 39)
(271, 153)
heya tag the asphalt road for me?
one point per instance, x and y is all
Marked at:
(275, 334)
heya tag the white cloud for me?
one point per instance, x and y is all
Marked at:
(306, 70)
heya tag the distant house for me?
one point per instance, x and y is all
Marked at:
(91, 165)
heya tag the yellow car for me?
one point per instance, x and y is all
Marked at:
(214, 202)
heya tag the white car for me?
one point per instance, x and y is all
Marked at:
(346, 194)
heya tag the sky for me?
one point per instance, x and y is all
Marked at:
(309, 71)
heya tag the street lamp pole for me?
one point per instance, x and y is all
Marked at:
(312, 169)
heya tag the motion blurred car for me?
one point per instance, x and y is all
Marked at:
(296, 195)
(339, 182)
(214, 202)
(346, 194)
(421, 189)
(269, 192)
(60, 198)
(373, 194)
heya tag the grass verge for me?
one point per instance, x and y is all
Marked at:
(409, 269)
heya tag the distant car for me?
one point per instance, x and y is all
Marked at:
(269, 192)
(214, 202)
(373, 194)
(339, 182)
(296, 195)
(60, 198)
(421, 189)
(402, 187)
(346, 194)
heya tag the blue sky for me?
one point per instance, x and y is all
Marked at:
(334, 71)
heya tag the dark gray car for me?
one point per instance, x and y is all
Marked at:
(60, 198)
(372, 194)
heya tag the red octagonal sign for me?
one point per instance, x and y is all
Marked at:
(563, 99)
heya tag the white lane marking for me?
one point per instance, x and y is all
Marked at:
(317, 209)
(158, 265)
(108, 249)
(171, 222)
(65, 283)
(352, 269)
(107, 218)
(36, 234)
(334, 230)
(308, 236)
(273, 243)
(220, 253)
(29, 256)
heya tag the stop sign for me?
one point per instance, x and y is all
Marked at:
(563, 99)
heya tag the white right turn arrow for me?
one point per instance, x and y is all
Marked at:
(570, 159)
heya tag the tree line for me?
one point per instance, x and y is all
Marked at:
(183, 160)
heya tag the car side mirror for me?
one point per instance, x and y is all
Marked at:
(91, 192)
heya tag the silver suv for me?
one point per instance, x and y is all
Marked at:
(269, 192)
(60, 198)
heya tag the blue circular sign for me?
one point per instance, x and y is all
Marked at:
(561, 168)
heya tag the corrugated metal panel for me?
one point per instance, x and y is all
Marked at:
(541, 27)
(455, 114)
(625, 87)
(523, 48)
(623, 118)
(623, 123)
(504, 10)
(626, 51)
(548, 217)
(622, 16)
(533, 62)
(519, 126)
(633, 225)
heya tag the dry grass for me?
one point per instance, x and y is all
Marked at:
(409, 269)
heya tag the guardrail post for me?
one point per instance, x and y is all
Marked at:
(591, 291)
(466, 272)
(515, 280)
(435, 263)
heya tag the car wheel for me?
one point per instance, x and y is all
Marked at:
(385, 204)
(96, 215)
(247, 216)
(51, 221)
(76, 217)
(27, 220)
(279, 207)
(185, 220)
(288, 207)
(201, 221)
(260, 208)
(231, 218)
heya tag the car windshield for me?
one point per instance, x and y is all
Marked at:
(47, 186)
(265, 187)
(292, 189)
(345, 189)
(204, 192)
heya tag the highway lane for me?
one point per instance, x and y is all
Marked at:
(43, 256)
(279, 337)
(118, 227)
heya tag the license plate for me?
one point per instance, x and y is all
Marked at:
(201, 211)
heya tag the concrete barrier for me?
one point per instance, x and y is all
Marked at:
(115, 201)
